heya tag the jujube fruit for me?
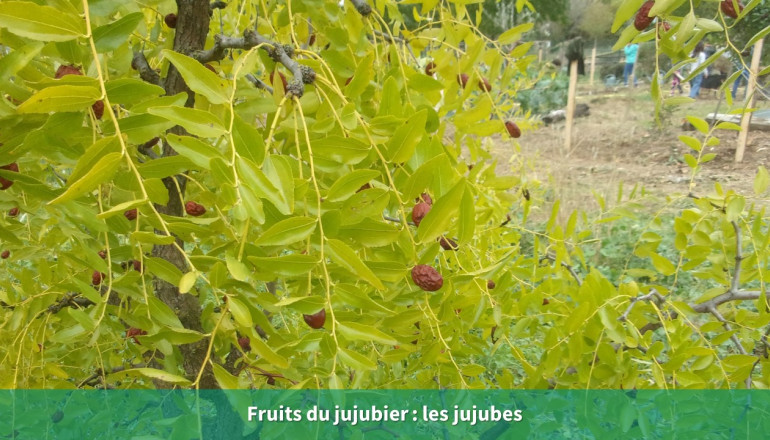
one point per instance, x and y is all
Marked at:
(133, 332)
(67, 70)
(13, 212)
(57, 416)
(462, 79)
(98, 108)
(419, 212)
(485, 85)
(513, 130)
(5, 183)
(316, 320)
(427, 278)
(425, 197)
(729, 10)
(430, 68)
(642, 19)
(194, 209)
(97, 278)
(170, 20)
(490, 284)
(245, 343)
(6, 253)
(130, 214)
(103, 254)
(447, 244)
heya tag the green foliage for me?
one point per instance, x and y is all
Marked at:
(299, 200)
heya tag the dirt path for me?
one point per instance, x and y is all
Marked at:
(620, 141)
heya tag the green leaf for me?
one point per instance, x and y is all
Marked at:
(94, 154)
(342, 150)
(200, 79)
(404, 141)
(302, 304)
(199, 152)
(159, 374)
(120, 208)
(225, 380)
(351, 295)
(164, 270)
(355, 360)
(467, 217)
(348, 184)
(370, 233)
(237, 269)
(248, 141)
(42, 23)
(761, 181)
(11, 63)
(187, 281)
(140, 128)
(164, 167)
(626, 10)
(259, 347)
(197, 122)
(102, 172)
(112, 35)
(129, 91)
(240, 312)
(291, 230)
(700, 124)
(151, 238)
(436, 222)
(60, 99)
(346, 257)
(286, 265)
(263, 187)
(359, 332)
(514, 34)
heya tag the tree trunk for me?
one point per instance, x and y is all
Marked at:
(191, 30)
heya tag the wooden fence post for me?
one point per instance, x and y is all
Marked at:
(573, 74)
(743, 136)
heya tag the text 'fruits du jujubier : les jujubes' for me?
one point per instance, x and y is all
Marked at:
(385, 414)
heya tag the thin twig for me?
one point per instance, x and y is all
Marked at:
(258, 83)
(653, 295)
(569, 268)
(362, 7)
(139, 62)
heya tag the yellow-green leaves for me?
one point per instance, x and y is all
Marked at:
(291, 230)
(197, 122)
(346, 257)
(436, 222)
(42, 23)
(200, 80)
(65, 98)
(103, 171)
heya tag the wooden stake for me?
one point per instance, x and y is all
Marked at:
(593, 64)
(540, 56)
(573, 74)
(743, 136)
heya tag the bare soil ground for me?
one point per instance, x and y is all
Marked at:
(621, 142)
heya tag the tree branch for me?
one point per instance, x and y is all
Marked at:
(90, 381)
(258, 83)
(139, 62)
(738, 258)
(280, 53)
(569, 268)
(362, 7)
(653, 295)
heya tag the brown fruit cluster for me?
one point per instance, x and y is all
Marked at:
(194, 209)
(5, 183)
(316, 320)
(427, 278)
(133, 332)
(6, 253)
(642, 19)
(430, 68)
(490, 284)
(13, 212)
(513, 130)
(462, 79)
(130, 214)
(103, 254)
(419, 212)
(170, 20)
(133, 264)
(728, 8)
(245, 343)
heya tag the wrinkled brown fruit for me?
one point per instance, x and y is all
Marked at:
(513, 130)
(5, 183)
(729, 10)
(490, 284)
(419, 212)
(170, 20)
(447, 244)
(642, 20)
(430, 68)
(130, 214)
(462, 79)
(194, 209)
(427, 278)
